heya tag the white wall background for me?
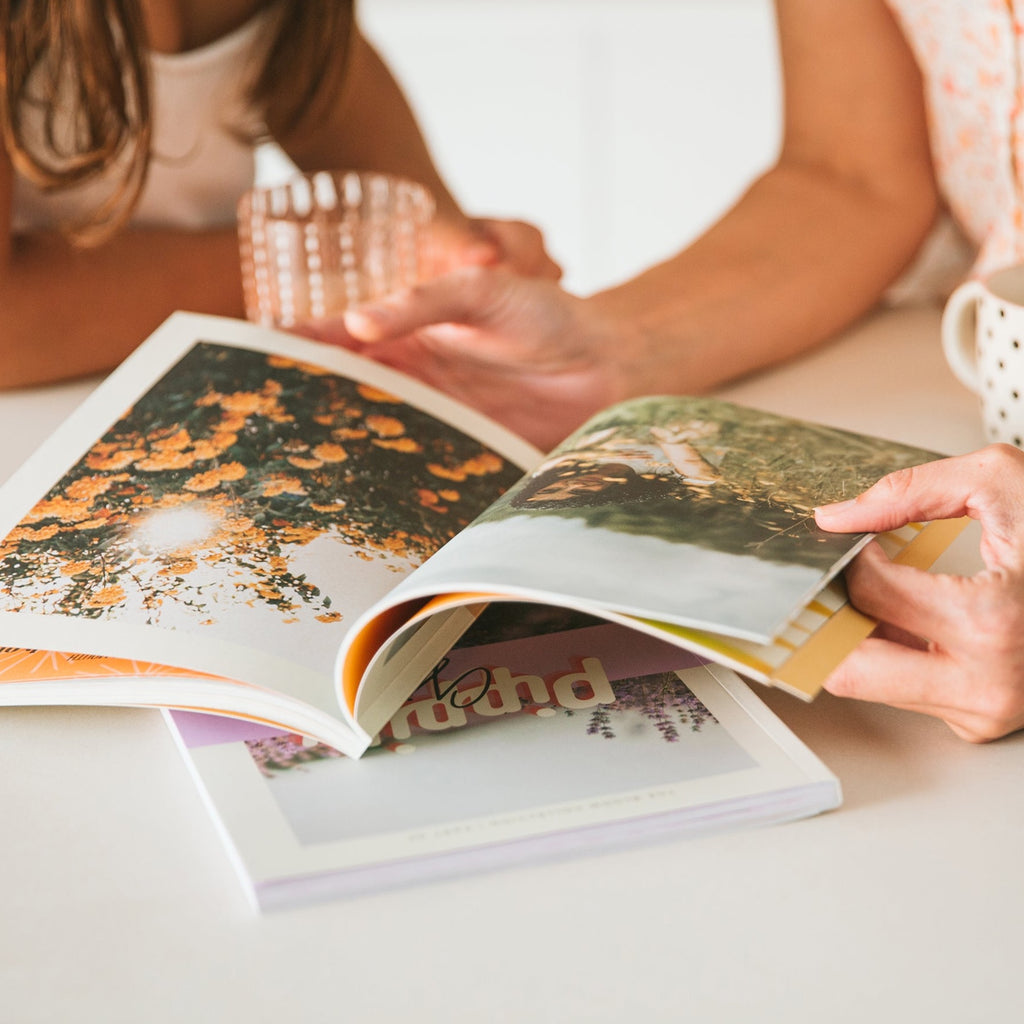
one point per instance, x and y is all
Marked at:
(621, 127)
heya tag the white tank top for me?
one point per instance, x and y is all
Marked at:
(202, 150)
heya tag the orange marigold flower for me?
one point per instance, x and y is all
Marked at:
(372, 394)
(299, 534)
(329, 617)
(232, 422)
(274, 411)
(480, 465)
(172, 500)
(284, 363)
(399, 444)
(385, 426)
(448, 494)
(173, 443)
(106, 596)
(179, 567)
(224, 439)
(203, 481)
(273, 486)
(88, 487)
(313, 369)
(116, 460)
(65, 509)
(238, 524)
(214, 477)
(280, 362)
(42, 532)
(93, 524)
(205, 449)
(328, 452)
(484, 463)
(160, 461)
(75, 568)
(231, 471)
(300, 462)
(245, 402)
(456, 473)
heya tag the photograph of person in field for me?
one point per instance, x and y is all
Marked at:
(700, 471)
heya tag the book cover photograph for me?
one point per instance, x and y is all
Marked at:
(565, 739)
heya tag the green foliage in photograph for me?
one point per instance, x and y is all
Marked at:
(708, 473)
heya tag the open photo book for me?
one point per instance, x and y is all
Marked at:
(244, 523)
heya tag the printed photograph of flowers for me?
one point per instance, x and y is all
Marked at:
(656, 733)
(247, 484)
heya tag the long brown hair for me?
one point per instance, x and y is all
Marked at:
(92, 53)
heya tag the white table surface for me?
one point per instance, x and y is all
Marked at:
(117, 902)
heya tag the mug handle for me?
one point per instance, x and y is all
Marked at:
(959, 343)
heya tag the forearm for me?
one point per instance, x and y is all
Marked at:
(815, 241)
(68, 313)
(799, 257)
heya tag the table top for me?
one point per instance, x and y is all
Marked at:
(119, 904)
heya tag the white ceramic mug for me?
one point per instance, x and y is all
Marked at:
(983, 340)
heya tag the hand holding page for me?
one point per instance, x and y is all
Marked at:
(687, 518)
(302, 535)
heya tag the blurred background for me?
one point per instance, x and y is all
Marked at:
(620, 127)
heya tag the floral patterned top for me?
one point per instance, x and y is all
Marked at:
(970, 55)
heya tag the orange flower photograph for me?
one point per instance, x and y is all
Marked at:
(243, 483)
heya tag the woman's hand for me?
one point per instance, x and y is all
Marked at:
(948, 646)
(522, 350)
(484, 242)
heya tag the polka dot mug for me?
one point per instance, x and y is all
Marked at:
(983, 340)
